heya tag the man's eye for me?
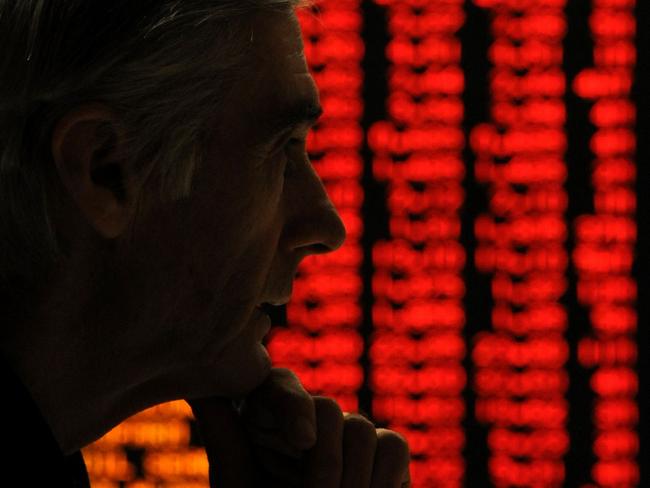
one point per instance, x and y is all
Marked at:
(295, 142)
(295, 152)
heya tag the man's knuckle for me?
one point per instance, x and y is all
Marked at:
(394, 443)
(284, 380)
(327, 407)
(358, 426)
(292, 396)
(285, 384)
(282, 373)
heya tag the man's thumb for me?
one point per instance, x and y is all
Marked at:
(229, 454)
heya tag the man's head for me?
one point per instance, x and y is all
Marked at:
(167, 194)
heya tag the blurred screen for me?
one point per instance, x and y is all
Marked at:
(482, 155)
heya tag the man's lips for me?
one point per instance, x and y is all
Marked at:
(263, 318)
(265, 308)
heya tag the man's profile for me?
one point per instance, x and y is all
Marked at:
(154, 191)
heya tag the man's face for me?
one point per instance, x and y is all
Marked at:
(188, 283)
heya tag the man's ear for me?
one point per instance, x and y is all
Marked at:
(87, 147)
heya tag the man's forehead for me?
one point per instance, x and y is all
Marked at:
(296, 103)
(281, 93)
(286, 92)
(277, 34)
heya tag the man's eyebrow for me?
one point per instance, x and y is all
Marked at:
(301, 112)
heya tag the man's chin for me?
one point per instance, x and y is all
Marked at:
(247, 374)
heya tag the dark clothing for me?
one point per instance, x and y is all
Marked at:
(32, 457)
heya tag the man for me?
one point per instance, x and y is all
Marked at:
(155, 190)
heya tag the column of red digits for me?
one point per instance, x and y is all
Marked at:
(605, 242)
(520, 380)
(322, 343)
(417, 348)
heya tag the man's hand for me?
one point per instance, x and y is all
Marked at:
(264, 442)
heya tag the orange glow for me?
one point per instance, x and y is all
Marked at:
(108, 464)
(173, 465)
(158, 433)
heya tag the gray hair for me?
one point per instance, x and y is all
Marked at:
(161, 64)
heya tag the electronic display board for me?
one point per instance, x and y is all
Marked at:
(482, 155)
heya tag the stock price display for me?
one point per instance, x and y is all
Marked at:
(482, 156)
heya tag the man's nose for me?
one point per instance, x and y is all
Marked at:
(314, 226)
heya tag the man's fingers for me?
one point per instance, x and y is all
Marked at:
(271, 440)
(359, 444)
(348, 451)
(282, 400)
(324, 461)
(280, 467)
(229, 455)
(392, 457)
